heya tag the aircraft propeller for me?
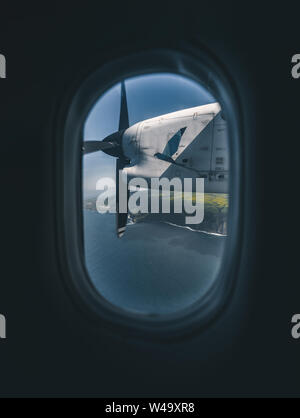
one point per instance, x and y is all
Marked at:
(112, 145)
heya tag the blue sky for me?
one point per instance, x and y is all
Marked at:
(147, 96)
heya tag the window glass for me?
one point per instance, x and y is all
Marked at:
(155, 193)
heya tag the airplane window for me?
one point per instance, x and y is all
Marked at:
(155, 193)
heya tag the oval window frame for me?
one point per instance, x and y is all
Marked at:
(198, 65)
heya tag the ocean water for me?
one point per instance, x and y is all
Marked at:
(156, 268)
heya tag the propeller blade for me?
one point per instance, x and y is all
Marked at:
(121, 199)
(94, 146)
(121, 186)
(124, 119)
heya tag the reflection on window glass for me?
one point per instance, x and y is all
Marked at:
(155, 193)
